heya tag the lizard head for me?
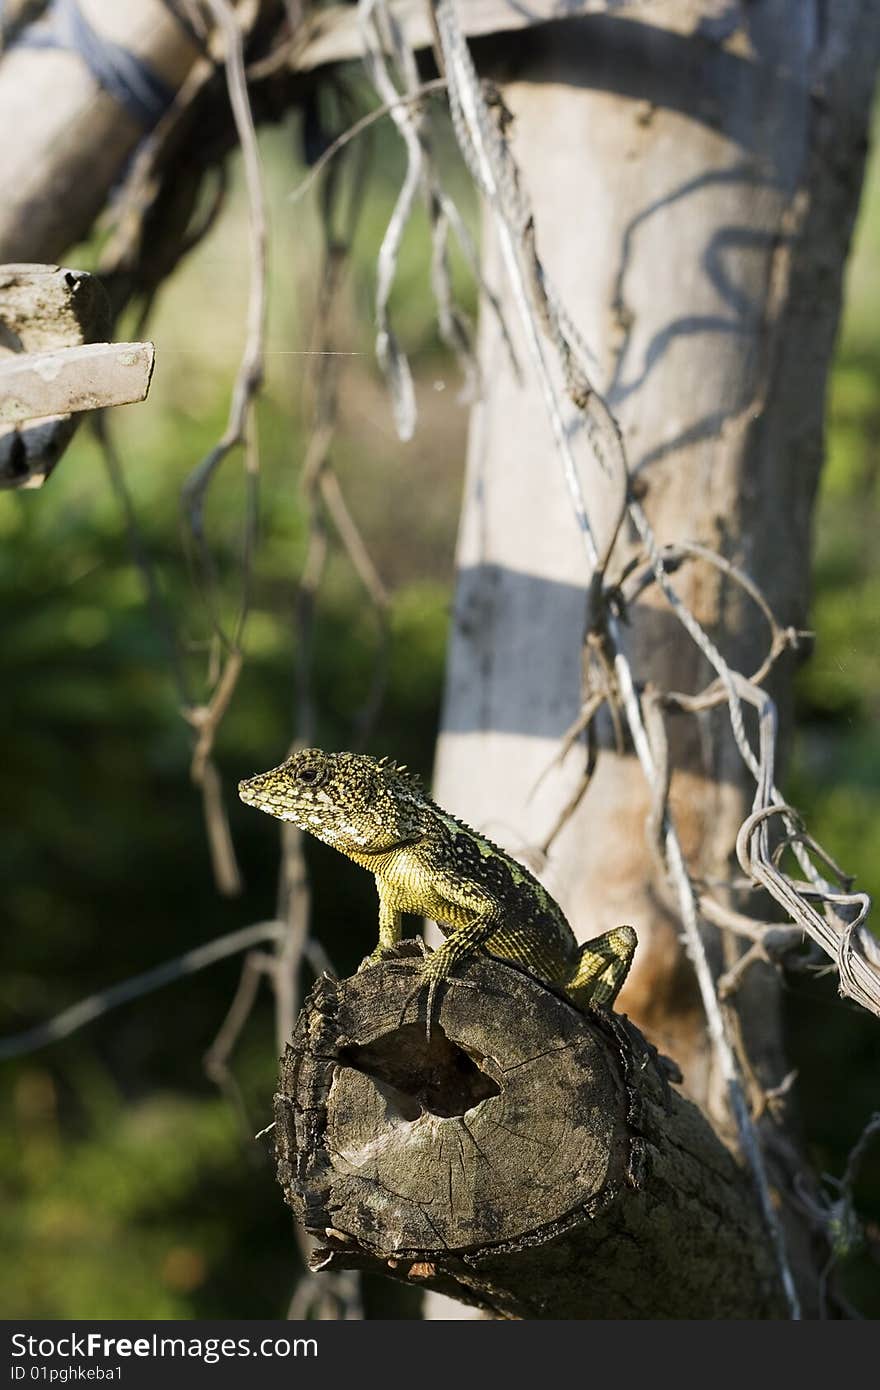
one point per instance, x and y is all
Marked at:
(358, 804)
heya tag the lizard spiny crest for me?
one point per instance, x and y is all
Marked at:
(351, 801)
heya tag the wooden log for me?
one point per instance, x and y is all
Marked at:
(14, 15)
(529, 1160)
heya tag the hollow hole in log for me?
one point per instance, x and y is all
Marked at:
(418, 1075)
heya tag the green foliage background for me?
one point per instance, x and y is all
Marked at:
(128, 1186)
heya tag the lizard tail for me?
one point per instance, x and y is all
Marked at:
(601, 967)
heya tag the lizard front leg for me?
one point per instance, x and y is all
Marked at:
(390, 926)
(390, 919)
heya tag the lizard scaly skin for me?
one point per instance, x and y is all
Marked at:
(426, 861)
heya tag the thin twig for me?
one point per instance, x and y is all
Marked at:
(216, 1059)
(140, 553)
(205, 720)
(240, 430)
(383, 35)
(96, 1005)
(426, 89)
(250, 373)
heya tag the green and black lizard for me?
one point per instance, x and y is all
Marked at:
(426, 861)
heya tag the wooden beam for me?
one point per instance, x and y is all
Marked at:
(36, 384)
(333, 35)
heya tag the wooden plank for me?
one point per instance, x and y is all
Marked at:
(65, 380)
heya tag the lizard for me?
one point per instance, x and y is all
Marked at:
(429, 862)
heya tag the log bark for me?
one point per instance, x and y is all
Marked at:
(529, 1160)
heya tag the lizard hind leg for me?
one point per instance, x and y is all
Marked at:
(601, 967)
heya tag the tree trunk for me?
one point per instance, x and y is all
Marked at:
(694, 186)
(527, 1159)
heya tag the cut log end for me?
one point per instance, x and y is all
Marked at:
(527, 1158)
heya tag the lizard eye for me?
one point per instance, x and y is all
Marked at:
(309, 775)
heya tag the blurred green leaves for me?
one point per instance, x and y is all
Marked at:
(836, 767)
(128, 1186)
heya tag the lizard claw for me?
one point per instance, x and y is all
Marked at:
(427, 985)
(432, 995)
(377, 957)
(388, 955)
